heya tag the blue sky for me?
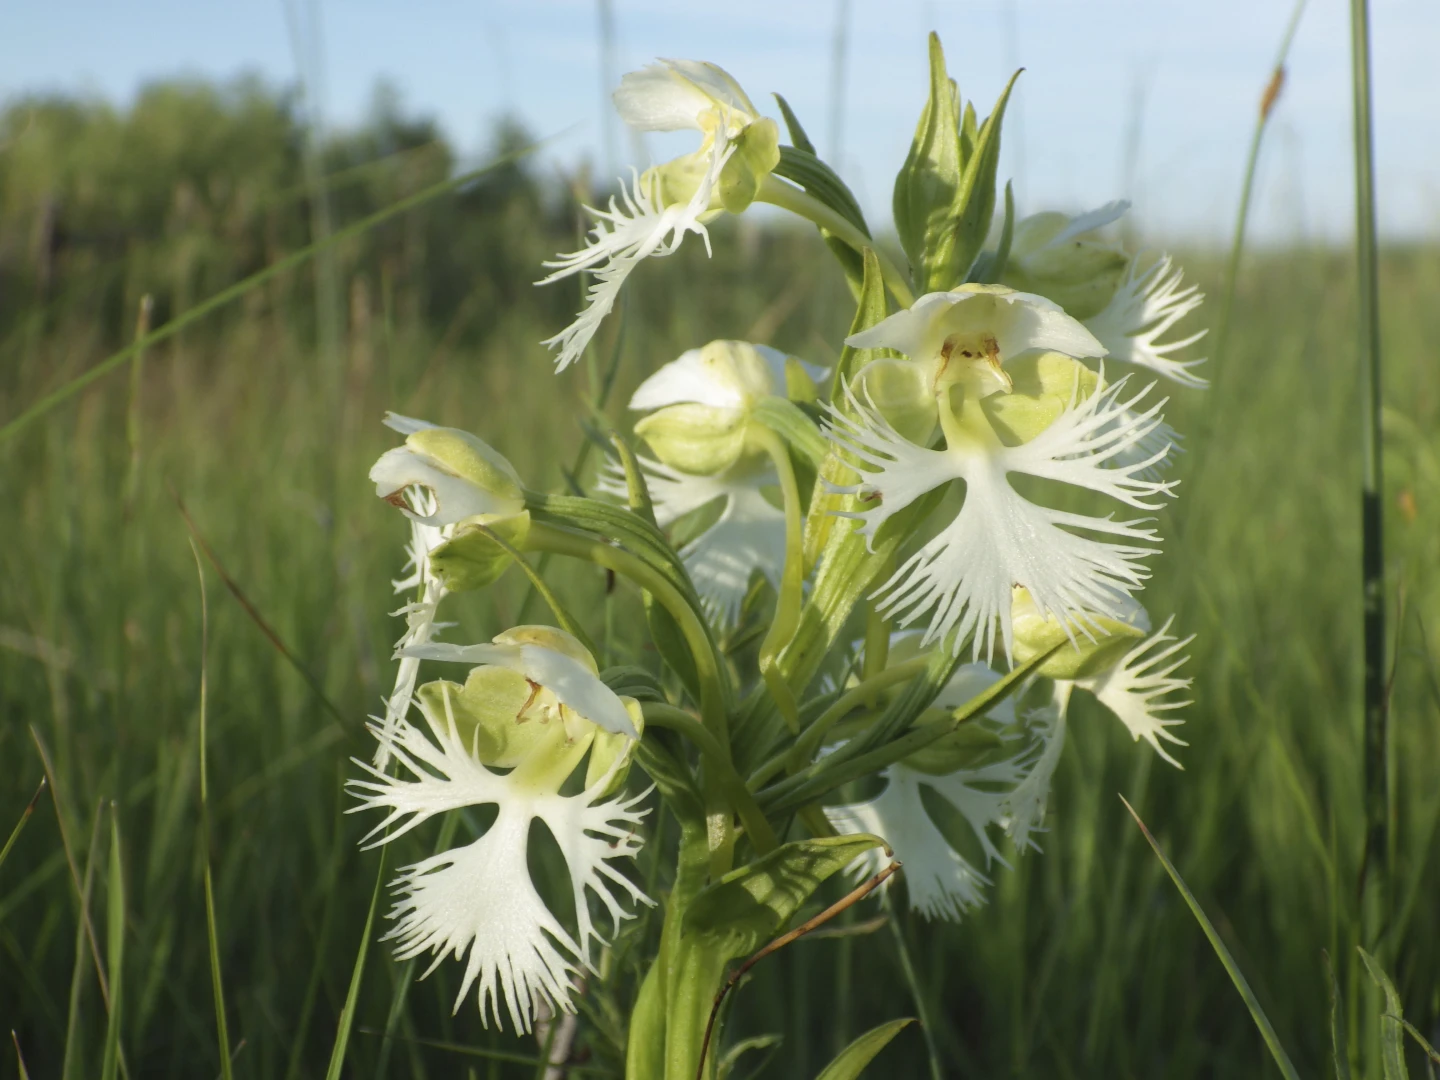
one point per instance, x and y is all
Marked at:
(1191, 73)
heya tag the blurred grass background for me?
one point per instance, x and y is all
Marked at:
(264, 421)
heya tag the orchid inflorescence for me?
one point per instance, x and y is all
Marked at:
(898, 568)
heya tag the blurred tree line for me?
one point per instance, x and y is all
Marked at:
(195, 186)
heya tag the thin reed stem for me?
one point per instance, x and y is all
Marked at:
(1375, 868)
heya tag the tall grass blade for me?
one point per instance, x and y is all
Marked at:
(347, 1014)
(249, 284)
(1392, 1031)
(1376, 864)
(115, 948)
(1338, 1045)
(19, 1057)
(1267, 1032)
(1242, 215)
(83, 930)
(217, 983)
(25, 816)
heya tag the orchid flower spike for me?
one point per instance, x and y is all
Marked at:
(1129, 303)
(942, 882)
(698, 433)
(439, 477)
(656, 211)
(1043, 414)
(535, 707)
(1129, 670)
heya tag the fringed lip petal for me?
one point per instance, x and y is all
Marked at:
(1145, 308)
(964, 576)
(1137, 689)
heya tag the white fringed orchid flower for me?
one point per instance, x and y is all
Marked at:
(942, 883)
(660, 207)
(702, 401)
(440, 476)
(1132, 674)
(536, 708)
(999, 538)
(1128, 303)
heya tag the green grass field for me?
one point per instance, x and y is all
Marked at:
(263, 420)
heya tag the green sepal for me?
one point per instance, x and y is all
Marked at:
(1044, 385)
(471, 559)
(757, 153)
(485, 710)
(468, 457)
(609, 747)
(699, 439)
(851, 1061)
(799, 386)
(749, 906)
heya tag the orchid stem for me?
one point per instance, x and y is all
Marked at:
(792, 580)
(788, 197)
(668, 716)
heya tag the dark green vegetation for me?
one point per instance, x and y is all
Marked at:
(264, 420)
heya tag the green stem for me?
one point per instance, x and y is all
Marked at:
(792, 581)
(788, 197)
(591, 548)
(1242, 216)
(1376, 869)
(799, 755)
(668, 716)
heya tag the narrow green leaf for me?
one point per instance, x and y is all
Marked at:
(357, 976)
(1262, 1022)
(1338, 1047)
(19, 1057)
(749, 906)
(803, 167)
(1392, 1030)
(974, 206)
(636, 489)
(115, 949)
(849, 1063)
(1430, 1051)
(990, 266)
(24, 818)
(789, 421)
(792, 124)
(70, 1063)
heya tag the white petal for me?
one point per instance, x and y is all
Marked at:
(941, 882)
(671, 95)
(689, 378)
(1018, 321)
(406, 425)
(1089, 221)
(568, 679)
(621, 239)
(455, 498)
(1134, 690)
(1146, 305)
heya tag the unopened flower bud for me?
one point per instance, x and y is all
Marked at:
(466, 476)
(471, 559)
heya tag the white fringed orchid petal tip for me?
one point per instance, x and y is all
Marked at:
(1148, 303)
